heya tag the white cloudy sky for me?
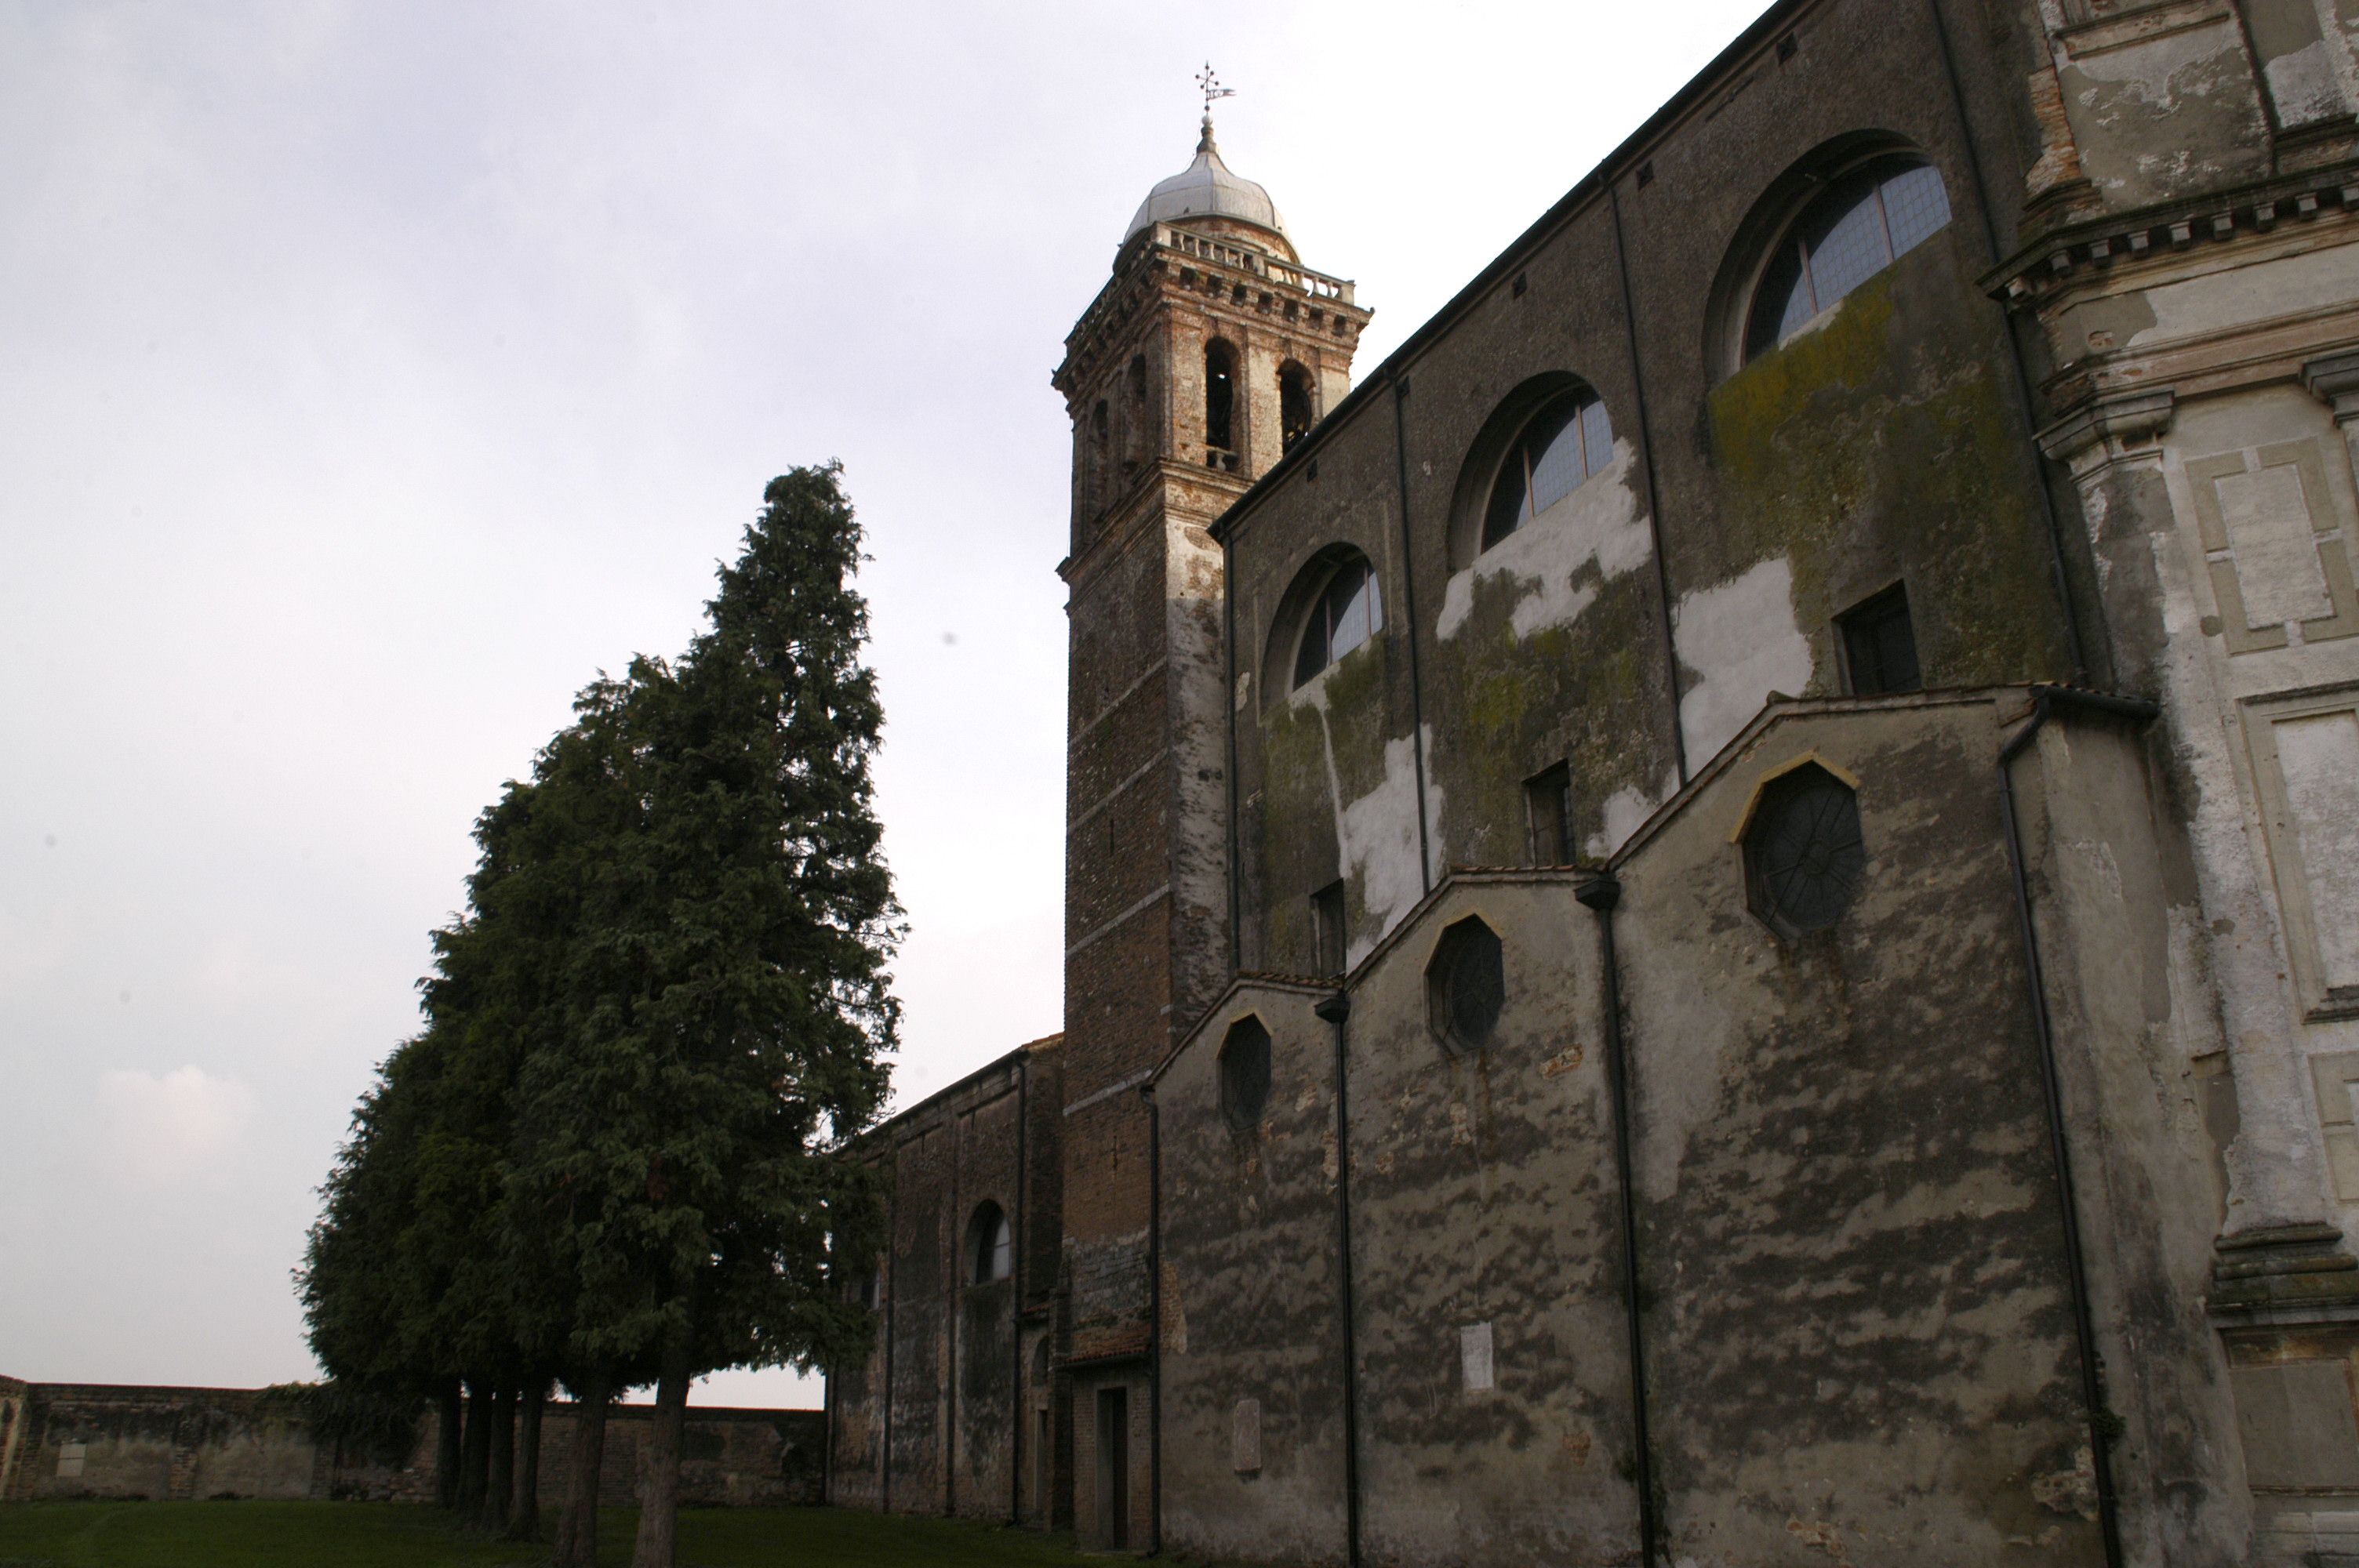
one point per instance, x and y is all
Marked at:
(371, 376)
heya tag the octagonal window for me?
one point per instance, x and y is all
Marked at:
(1466, 985)
(1803, 853)
(1245, 1072)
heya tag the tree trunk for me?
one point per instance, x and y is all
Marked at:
(576, 1528)
(448, 1448)
(524, 1511)
(659, 1509)
(478, 1453)
(499, 1480)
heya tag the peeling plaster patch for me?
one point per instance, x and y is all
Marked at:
(2303, 85)
(1627, 810)
(1378, 836)
(1741, 641)
(2072, 1491)
(2288, 285)
(1599, 521)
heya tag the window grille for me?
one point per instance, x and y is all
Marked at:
(1803, 852)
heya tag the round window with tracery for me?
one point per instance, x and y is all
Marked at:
(1803, 853)
(1466, 985)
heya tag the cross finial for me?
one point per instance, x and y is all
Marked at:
(1211, 87)
(1212, 90)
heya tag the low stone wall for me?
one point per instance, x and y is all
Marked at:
(108, 1440)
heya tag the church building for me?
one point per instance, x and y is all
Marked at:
(1714, 918)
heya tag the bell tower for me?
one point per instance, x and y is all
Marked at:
(1209, 352)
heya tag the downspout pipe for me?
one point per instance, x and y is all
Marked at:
(1154, 1318)
(1416, 681)
(1336, 1009)
(1600, 894)
(1654, 508)
(2023, 396)
(2044, 699)
(1015, 1299)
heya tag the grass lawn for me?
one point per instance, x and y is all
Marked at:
(406, 1535)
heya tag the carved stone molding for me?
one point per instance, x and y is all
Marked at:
(2333, 380)
(2108, 425)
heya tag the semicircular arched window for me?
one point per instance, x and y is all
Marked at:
(1865, 220)
(1562, 445)
(1347, 612)
(990, 1246)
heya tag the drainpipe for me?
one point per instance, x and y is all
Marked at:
(1154, 1318)
(827, 1447)
(1015, 1303)
(1229, 781)
(1416, 685)
(1654, 513)
(2022, 378)
(1336, 1009)
(1600, 893)
(2093, 1392)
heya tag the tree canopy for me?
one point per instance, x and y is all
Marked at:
(616, 1151)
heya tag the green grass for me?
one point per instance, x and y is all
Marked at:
(403, 1535)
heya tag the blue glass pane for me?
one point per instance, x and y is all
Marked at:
(1555, 446)
(1349, 604)
(1853, 251)
(1596, 436)
(1915, 206)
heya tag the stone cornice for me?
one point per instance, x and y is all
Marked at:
(2117, 420)
(2065, 256)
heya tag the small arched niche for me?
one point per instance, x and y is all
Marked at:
(1221, 401)
(1837, 217)
(1297, 404)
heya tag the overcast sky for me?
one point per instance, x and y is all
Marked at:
(370, 376)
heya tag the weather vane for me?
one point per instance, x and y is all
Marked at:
(1213, 88)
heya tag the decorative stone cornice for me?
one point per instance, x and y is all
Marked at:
(2116, 421)
(1239, 278)
(2333, 380)
(2062, 256)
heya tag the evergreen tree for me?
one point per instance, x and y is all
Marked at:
(680, 1149)
(617, 1152)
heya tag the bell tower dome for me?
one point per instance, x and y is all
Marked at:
(1209, 352)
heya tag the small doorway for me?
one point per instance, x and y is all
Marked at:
(1114, 1467)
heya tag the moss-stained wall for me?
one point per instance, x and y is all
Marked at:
(1881, 446)
(1251, 1334)
(1851, 1237)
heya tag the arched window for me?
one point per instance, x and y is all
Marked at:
(1220, 396)
(1347, 612)
(1466, 985)
(1804, 854)
(1295, 415)
(1566, 442)
(1245, 1072)
(1865, 220)
(990, 1247)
